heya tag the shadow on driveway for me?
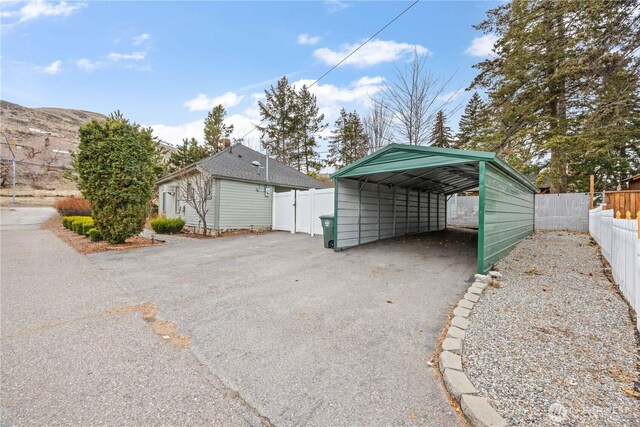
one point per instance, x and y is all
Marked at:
(309, 336)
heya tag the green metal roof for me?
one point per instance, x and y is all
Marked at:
(449, 169)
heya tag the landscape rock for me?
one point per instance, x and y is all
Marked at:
(495, 274)
(480, 413)
(461, 311)
(465, 303)
(453, 345)
(475, 290)
(454, 332)
(482, 278)
(458, 384)
(472, 297)
(480, 285)
(449, 360)
(460, 322)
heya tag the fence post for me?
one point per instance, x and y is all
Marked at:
(293, 207)
(312, 196)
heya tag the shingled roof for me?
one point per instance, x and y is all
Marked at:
(236, 162)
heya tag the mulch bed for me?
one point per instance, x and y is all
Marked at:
(83, 245)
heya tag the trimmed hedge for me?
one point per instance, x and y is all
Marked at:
(167, 225)
(94, 235)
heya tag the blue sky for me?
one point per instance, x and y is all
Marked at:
(165, 64)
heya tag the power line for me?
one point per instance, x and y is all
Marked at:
(348, 56)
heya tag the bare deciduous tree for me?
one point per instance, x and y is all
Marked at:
(378, 125)
(196, 190)
(415, 96)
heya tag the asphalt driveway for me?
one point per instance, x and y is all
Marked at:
(306, 336)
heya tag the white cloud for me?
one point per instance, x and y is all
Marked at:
(375, 52)
(203, 103)
(307, 39)
(134, 56)
(482, 46)
(34, 9)
(450, 96)
(173, 134)
(87, 64)
(138, 40)
(334, 6)
(367, 81)
(54, 68)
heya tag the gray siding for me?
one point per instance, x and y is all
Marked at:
(376, 212)
(243, 205)
(184, 210)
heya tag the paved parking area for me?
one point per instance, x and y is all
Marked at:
(304, 335)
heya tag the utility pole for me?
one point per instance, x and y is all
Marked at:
(12, 148)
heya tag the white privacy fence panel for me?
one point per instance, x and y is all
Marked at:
(299, 211)
(620, 245)
(567, 211)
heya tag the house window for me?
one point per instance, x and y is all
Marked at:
(163, 202)
(177, 200)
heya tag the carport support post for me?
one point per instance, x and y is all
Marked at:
(429, 210)
(378, 211)
(481, 204)
(394, 211)
(407, 213)
(438, 211)
(419, 209)
(359, 209)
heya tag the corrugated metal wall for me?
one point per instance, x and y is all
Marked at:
(372, 212)
(243, 205)
(506, 215)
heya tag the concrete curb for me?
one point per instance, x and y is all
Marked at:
(476, 409)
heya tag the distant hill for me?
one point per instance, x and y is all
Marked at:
(44, 138)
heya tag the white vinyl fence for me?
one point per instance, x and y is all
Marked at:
(299, 211)
(567, 211)
(620, 244)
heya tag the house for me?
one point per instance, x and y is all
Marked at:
(242, 189)
(633, 183)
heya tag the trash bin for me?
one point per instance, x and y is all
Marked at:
(327, 230)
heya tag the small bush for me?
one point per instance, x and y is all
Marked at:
(67, 220)
(94, 235)
(73, 206)
(167, 225)
(77, 223)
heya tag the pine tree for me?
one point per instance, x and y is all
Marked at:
(349, 141)
(472, 125)
(441, 135)
(187, 153)
(277, 114)
(544, 75)
(308, 124)
(215, 130)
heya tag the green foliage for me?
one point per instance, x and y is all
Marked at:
(349, 141)
(67, 221)
(291, 124)
(563, 89)
(167, 225)
(187, 153)
(441, 135)
(116, 165)
(94, 235)
(78, 223)
(473, 126)
(215, 130)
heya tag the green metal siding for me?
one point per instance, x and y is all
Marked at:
(243, 205)
(505, 217)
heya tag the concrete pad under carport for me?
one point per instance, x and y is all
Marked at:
(306, 335)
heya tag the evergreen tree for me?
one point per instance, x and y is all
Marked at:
(187, 153)
(441, 135)
(349, 141)
(472, 125)
(548, 60)
(308, 124)
(277, 114)
(215, 130)
(116, 166)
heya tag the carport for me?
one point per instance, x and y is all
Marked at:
(403, 189)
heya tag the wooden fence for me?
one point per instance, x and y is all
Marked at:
(619, 241)
(623, 202)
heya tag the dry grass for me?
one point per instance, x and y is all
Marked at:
(83, 245)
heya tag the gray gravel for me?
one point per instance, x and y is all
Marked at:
(554, 345)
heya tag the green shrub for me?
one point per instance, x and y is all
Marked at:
(167, 225)
(94, 235)
(78, 223)
(67, 221)
(87, 225)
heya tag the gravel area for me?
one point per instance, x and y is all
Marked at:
(555, 344)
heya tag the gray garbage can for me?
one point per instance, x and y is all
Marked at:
(327, 230)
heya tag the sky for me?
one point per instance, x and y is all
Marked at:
(166, 64)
